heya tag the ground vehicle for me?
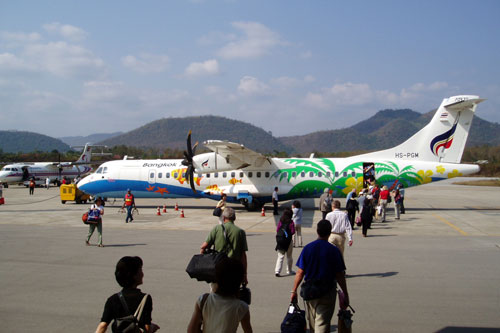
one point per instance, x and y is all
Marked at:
(70, 192)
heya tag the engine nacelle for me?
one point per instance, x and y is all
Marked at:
(213, 162)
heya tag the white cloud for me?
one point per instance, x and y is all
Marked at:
(11, 63)
(147, 63)
(257, 40)
(20, 37)
(209, 67)
(250, 86)
(285, 82)
(63, 59)
(66, 31)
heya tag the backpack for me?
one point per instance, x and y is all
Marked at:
(328, 201)
(130, 323)
(94, 215)
(283, 238)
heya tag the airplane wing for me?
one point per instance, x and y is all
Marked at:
(238, 155)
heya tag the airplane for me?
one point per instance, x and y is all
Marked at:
(55, 171)
(248, 177)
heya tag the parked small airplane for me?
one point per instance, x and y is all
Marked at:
(432, 154)
(55, 171)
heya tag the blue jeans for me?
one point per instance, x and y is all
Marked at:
(129, 214)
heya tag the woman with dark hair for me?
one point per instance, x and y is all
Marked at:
(222, 205)
(222, 311)
(284, 233)
(129, 275)
(98, 210)
(297, 221)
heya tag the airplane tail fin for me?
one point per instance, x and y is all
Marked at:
(441, 140)
(86, 155)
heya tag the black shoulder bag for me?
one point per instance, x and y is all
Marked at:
(202, 266)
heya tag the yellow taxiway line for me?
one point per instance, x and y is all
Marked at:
(451, 225)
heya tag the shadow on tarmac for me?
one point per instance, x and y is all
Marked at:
(455, 329)
(386, 274)
(125, 245)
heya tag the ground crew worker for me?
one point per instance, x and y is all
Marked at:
(130, 204)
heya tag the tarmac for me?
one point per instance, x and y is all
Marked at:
(437, 269)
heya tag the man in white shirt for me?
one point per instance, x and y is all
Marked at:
(275, 201)
(340, 227)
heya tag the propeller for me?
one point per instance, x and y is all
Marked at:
(188, 161)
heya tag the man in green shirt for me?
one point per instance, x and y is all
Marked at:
(234, 242)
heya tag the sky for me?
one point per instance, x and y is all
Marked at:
(71, 68)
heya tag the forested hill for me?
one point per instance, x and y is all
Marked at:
(25, 142)
(172, 133)
(82, 140)
(387, 128)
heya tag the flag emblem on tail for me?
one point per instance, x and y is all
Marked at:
(443, 140)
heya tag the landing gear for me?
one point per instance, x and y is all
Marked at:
(253, 206)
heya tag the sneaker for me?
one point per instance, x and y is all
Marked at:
(291, 273)
(100, 245)
(277, 274)
(87, 243)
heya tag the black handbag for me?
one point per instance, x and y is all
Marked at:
(295, 320)
(202, 266)
(217, 211)
(245, 294)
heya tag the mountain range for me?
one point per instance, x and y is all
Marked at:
(385, 129)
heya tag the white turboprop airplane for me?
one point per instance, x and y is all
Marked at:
(245, 176)
(55, 171)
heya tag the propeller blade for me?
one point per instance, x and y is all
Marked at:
(191, 178)
(189, 150)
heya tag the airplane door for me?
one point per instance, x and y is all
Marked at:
(152, 176)
(368, 174)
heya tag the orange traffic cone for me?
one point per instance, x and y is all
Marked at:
(158, 211)
(176, 206)
(182, 212)
(164, 208)
(263, 212)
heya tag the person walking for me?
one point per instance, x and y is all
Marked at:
(228, 238)
(325, 202)
(129, 275)
(297, 221)
(397, 203)
(284, 246)
(32, 185)
(402, 194)
(129, 203)
(275, 200)
(352, 207)
(366, 215)
(98, 209)
(320, 264)
(340, 227)
(382, 201)
(222, 205)
(47, 182)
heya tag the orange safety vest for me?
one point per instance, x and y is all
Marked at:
(129, 199)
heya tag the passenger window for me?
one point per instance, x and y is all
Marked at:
(176, 174)
(216, 175)
(353, 173)
(241, 174)
(167, 175)
(233, 174)
(320, 174)
(328, 174)
(336, 173)
(183, 175)
(294, 174)
(258, 174)
(250, 174)
(160, 175)
(311, 174)
(344, 174)
(152, 175)
(267, 174)
(224, 174)
(302, 174)
(208, 175)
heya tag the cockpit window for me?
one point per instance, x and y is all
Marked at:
(105, 170)
(99, 170)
